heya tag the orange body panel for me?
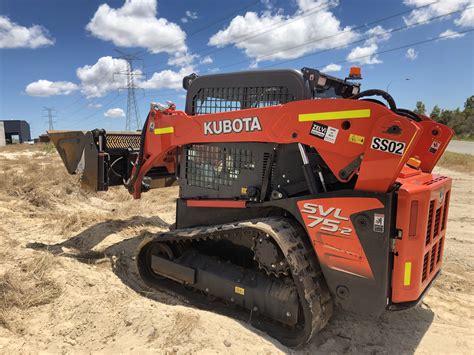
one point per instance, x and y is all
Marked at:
(423, 202)
(338, 248)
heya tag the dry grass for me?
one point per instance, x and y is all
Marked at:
(459, 162)
(36, 184)
(10, 148)
(26, 286)
(36, 181)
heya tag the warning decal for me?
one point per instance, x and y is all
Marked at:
(329, 134)
(434, 147)
(379, 222)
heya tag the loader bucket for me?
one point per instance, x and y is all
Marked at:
(92, 154)
(70, 146)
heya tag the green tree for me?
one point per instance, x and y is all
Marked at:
(420, 108)
(446, 117)
(469, 113)
(469, 116)
(436, 114)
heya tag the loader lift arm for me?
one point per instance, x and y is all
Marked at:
(346, 149)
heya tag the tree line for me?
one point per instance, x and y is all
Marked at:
(461, 121)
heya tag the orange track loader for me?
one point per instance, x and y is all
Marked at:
(297, 191)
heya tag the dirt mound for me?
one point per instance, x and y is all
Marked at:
(68, 283)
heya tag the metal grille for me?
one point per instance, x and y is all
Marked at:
(440, 249)
(433, 257)
(210, 166)
(436, 224)
(424, 274)
(123, 141)
(213, 100)
(439, 178)
(445, 211)
(430, 222)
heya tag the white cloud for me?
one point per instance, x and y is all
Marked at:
(167, 79)
(206, 60)
(94, 105)
(13, 35)
(99, 79)
(450, 34)
(411, 54)
(50, 88)
(189, 15)
(364, 55)
(135, 25)
(377, 34)
(182, 60)
(192, 15)
(439, 8)
(331, 67)
(467, 17)
(114, 113)
(279, 32)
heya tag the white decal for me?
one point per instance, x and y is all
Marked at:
(247, 124)
(379, 222)
(331, 135)
(319, 130)
(318, 215)
(387, 145)
(435, 146)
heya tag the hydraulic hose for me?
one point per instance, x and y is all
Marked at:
(391, 103)
(129, 184)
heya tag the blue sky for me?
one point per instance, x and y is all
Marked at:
(59, 53)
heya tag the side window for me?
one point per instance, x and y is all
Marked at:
(214, 100)
(214, 105)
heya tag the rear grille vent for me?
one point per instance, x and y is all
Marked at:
(430, 222)
(436, 224)
(439, 178)
(433, 257)
(445, 211)
(424, 275)
(440, 248)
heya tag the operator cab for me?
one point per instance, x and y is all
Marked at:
(260, 88)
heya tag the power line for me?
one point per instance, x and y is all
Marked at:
(304, 14)
(50, 114)
(88, 117)
(330, 36)
(413, 44)
(132, 108)
(211, 24)
(224, 18)
(72, 103)
(382, 34)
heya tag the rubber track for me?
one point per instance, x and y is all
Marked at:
(308, 278)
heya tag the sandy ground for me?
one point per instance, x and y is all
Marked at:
(83, 295)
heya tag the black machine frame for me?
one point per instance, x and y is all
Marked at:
(260, 88)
